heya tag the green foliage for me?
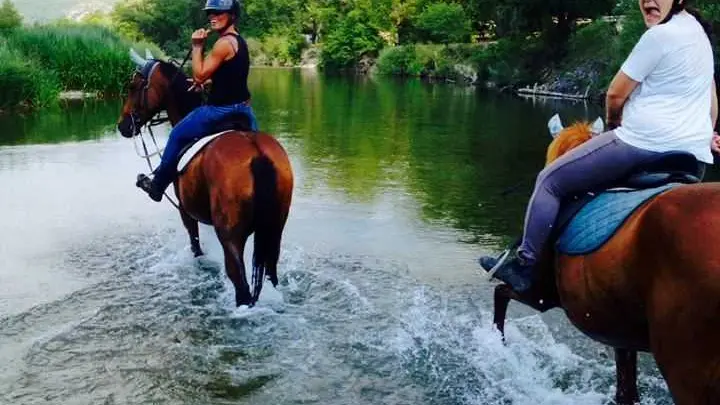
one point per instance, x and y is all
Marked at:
(444, 23)
(454, 62)
(400, 61)
(10, 18)
(168, 23)
(276, 50)
(89, 58)
(513, 61)
(353, 38)
(23, 82)
(532, 40)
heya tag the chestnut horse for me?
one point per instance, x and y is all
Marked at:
(240, 183)
(653, 287)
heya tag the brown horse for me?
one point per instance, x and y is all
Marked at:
(240, 183)
(653, 287)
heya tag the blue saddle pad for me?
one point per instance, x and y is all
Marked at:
(599, 219)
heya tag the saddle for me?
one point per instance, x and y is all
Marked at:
(586, 221)
(235, 122)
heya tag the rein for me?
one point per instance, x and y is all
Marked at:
(154, 121)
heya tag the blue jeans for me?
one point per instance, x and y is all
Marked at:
(199, 123)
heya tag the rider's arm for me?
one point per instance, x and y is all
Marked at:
(204, 69)
(642, 61)
(714, 106)
(620, 89)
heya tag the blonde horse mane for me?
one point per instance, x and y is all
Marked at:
(569, 138)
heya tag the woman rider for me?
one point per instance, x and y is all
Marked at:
(227, 66)
(662, 99)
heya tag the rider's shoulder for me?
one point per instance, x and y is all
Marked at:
(226, 43)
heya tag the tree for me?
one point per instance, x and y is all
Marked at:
(402, 14)
(555, 18)
(168, 23)
(444, 23)
(352, 37)
(10, 18)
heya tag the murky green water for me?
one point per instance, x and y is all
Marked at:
(400, 186)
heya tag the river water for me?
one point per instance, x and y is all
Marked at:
(399, 187)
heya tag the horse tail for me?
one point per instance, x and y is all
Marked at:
(267, 223)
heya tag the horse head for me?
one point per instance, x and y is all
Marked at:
(568, 138)
(155, 86)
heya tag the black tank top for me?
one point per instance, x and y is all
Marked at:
(229, 82)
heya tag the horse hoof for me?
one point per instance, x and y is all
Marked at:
(197, 252)
(244, 303)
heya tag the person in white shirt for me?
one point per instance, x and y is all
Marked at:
(662, 99)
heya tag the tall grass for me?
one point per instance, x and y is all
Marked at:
(84, 57)
(22, 82)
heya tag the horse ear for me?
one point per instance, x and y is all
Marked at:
(148, 55)
(598, 127)
(137, 58)
(555, 125)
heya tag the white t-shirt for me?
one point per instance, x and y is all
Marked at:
(670, 108)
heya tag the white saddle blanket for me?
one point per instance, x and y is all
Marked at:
(193, 150)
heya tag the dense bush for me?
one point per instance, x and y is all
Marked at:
(512, 61)
(434, 61)
(24, 82)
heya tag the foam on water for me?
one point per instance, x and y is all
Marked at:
(163, 327)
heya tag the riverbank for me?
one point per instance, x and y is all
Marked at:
(527, 66)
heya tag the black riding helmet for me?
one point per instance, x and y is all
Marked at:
(229, 6)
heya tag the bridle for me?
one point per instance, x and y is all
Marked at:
(141, 104)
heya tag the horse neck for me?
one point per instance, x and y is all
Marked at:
(173, 111)
(175, 108)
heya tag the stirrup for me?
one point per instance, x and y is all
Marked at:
(501, 260)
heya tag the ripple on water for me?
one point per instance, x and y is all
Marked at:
(161, 328)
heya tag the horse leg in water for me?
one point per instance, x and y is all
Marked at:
(626, 377)
(625, 360)
(502, 297)
(233, 248)
(192, 227)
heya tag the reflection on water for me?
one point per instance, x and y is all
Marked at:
(465, 157)
(77, 121)
(454, 149)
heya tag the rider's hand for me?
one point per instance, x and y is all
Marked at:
(197, 86)
(199, 37)
(715, 144)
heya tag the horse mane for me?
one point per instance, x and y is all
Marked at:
(186, 100)
(569, 138)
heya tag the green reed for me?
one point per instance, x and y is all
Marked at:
(24, 82)
(84, 57)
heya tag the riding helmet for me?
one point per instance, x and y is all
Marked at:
(230, 6)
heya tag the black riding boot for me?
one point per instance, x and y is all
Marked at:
(510, 269)
(149, 187)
